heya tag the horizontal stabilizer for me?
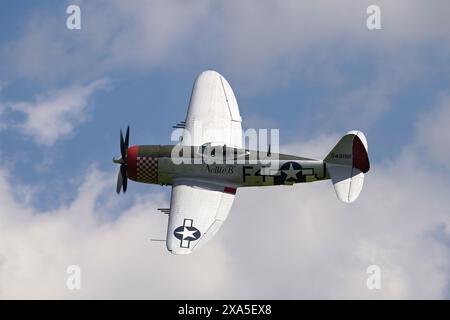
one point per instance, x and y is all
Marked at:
(346, 165)
(347, 182)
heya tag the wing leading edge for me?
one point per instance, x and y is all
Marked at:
(198, 208)
(213, 115)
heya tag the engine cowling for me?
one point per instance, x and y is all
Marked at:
(142, 166)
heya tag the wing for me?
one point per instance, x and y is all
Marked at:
(197, 211)
(213, 114)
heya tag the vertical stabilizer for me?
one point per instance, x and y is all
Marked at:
(346, 165)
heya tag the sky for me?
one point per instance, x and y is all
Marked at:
(311, 69)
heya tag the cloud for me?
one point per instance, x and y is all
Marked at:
(113, 37)
(281, 242)
(316, 148)
(255, 45)
(54, 116)
(116, 255)
(2, 105)
(252, 39)
(303, 242)
(433, 132)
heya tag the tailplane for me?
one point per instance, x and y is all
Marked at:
(346, 165)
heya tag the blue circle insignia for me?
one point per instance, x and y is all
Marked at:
(290, 172)
(186, 233)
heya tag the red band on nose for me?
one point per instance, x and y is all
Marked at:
(132, 162)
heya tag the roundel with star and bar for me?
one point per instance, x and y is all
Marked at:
(290, 172)
(187, 233)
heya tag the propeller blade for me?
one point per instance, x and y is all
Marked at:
(122, 179)
(119, 182)
(122, 145)
(127, 138)
(123, 173)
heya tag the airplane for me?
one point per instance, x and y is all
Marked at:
(209, 164)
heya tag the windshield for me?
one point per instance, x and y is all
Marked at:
(225, 152)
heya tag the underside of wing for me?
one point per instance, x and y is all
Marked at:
(197, 211)
(213, 115)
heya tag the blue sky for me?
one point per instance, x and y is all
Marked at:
(301, 107)
(312, 70)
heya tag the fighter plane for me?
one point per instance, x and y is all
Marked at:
(210, 163)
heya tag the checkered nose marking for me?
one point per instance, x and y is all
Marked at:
(147, 169)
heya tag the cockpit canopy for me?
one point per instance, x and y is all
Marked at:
(223, 151)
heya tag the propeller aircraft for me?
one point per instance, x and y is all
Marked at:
(210, 163)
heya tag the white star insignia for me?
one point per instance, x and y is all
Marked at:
(291, 173)
(187, 233)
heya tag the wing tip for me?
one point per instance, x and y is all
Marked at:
(179, 252)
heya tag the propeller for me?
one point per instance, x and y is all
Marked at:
(122, 179)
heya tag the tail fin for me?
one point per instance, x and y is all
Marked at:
(346, 165)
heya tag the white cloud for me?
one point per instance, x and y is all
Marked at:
(255, 45)
(286, 242)
(316, 148)
(116, 255)
(433, 132)
(253, 40)
(281, 242)
(321, 248)
(2, 105)
(54, 116)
